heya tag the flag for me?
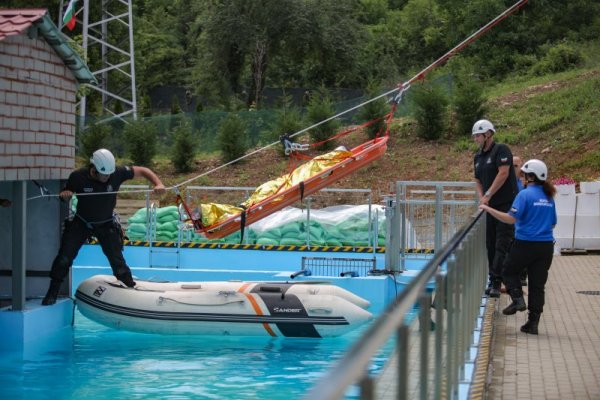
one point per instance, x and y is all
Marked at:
(69, 15)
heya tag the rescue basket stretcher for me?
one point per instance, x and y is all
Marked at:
(361, 155)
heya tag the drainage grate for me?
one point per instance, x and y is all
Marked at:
(590, 292)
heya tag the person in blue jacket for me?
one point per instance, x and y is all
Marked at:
(534, 214)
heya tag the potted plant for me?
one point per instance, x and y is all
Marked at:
(564, 185)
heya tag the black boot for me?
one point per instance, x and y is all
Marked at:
(127, 279)
(531, 326)
(495, 289)
(52, 293)
(518, 304)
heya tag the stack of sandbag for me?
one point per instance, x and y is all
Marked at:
(136, 225)
(167, 220)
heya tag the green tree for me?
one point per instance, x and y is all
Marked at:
(184, 146)
(429, 110)
(374, 110)
(94, 137)
(140, 142)
(319, 109)
(232, 138)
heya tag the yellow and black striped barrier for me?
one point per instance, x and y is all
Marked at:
(235, 246)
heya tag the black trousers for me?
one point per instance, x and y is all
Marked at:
(537, 258)
(498, 239)
(74, 236)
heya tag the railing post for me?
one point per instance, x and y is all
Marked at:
(391, 235)
(440, 304)
(402, 352)
(439, 196)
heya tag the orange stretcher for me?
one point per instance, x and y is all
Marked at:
(360, 156)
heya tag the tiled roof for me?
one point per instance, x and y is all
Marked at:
(17, 21)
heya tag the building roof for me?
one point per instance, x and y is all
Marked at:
(36, 22)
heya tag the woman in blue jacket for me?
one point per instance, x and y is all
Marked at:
(534, 214)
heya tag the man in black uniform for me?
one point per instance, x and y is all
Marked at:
(94, 216)
(496, 184)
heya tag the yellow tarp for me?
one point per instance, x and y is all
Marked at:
(213, 213)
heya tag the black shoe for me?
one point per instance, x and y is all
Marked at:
(518, 304)
(524, 282)
(52, 293)
(127, 280)
(495, 293)
(489, 287)
(531, 326)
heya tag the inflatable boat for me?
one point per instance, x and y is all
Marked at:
(299, 309)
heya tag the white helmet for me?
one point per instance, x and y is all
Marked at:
(104, 161)
(482, 126)
(536, 167)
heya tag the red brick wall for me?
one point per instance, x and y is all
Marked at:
(37, 111)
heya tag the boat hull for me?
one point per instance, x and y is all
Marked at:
(223, 308)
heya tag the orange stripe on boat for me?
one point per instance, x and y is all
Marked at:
(256, 307)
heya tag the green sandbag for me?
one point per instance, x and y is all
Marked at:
(317, 232)
(135, 236)
(168, 217)
(166, 210)
(167, 234)
(274, 234)
(333, 242)
(138, 217)
(291, 230)
(267, 242)
(167, 226)
(293, 235)
(136, 228)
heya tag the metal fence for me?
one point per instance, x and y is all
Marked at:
(430, 357)
(425, 215)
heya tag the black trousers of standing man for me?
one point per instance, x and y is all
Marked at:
(498, 238)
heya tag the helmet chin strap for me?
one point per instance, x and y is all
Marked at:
(484, 143)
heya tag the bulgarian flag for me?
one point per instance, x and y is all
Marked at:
(69, 15)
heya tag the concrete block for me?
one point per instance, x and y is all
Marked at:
(17, 87)
(55, 127)
(17, 62)
(16, 136)
(17, 111)
(12, 148)
(23, 124)
(35, 173)
(38, 329)
(23, 174)
(22, 99)
(34, 125)
(11, 174)
(11, 98)
(25, 148)
(5, 84)
(4, 109)
(30, 112)
(28, 136)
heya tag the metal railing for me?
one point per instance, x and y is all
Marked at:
(425, 215)
(423, 365)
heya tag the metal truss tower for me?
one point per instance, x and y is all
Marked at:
(107, 34)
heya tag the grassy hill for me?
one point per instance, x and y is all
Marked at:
(554, 118)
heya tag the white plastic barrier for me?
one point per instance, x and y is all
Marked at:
(578, 224)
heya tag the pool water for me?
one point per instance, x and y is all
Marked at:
(104, 363)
